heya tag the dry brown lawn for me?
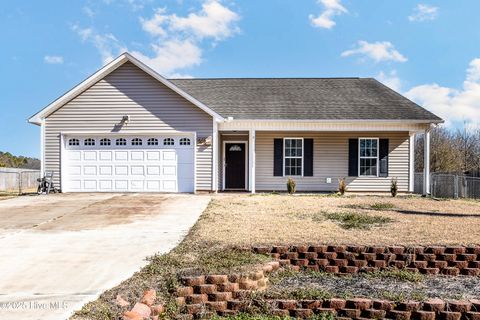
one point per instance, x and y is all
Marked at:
(243, 219)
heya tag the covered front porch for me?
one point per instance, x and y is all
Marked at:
(262, 159)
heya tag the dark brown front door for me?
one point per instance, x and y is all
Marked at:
(235, 165)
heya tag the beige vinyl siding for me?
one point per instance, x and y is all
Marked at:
(330, 160)
(151, 106)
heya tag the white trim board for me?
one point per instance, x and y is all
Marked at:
(246, 162)
(313, 125)
(102, 73)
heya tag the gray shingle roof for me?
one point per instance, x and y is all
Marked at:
(304, 98)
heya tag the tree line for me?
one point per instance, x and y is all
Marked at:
(452, 151)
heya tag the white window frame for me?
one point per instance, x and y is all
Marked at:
(105, 142)
(73, 142)
(184, 141)
(136, 142)
(290, 157)
(168, 141)
(152, 142)
(120, 142)
(360, 157)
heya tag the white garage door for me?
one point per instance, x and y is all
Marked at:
(128, 164)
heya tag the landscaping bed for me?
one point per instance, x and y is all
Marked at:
(222, 240)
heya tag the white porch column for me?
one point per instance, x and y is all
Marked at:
(426, 163)
(215, 147)
(251, 161)
(411, 163)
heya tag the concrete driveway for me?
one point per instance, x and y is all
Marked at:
(58, 252)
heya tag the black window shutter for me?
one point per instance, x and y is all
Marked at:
(278, 157)
(308, 157)
(383, 156)
(353, 157)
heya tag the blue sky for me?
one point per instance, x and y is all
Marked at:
(427, 50)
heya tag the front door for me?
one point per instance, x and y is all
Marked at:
(235, 165)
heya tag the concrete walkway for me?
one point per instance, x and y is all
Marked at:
(58, 252)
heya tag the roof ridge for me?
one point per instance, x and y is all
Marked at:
(267, 78)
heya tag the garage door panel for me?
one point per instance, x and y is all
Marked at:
(137, 170)
(105, 185)
(153, 155)
(153, 170)
(121, 155)
(75, 184)
(169, 185)
(153, 185)
(136, 185)
(169, 170)
(105, 170)
(169, 155)
(105, 155)
(134, 168)
(74, 170)
(90, 170)
(121, 185)
(90, 185)
(74, 155)
(89, 155)
(136, 155)
(121, 170)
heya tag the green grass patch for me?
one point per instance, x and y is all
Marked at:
(355, 220)
(399, 274)
(399, 297)
(382, 206)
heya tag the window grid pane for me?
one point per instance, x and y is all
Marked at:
(368, 157)
(293, 157)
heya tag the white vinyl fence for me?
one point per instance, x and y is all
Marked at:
(448, 185)
(13, 180)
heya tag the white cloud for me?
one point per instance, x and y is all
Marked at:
(325, 20)
(177, 41)
(53, 59)
(107, 44)
(172, 55)
(455, 106)
(390, 79)
(88, 12)
(213, 21)
(423, 12)
(377, 51)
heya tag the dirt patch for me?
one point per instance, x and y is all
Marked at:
(283, 219)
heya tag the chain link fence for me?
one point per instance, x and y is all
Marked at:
(448, 185)
(18, 181)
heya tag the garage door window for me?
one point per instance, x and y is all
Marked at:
(136, 142)
(89, 142)
(105, 142)
(73, 142)
(184, 142)
(121, 142)
(152, 142)
(168, 142)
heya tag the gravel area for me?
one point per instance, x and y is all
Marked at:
(383, 287)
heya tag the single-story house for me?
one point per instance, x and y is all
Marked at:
(128, 129)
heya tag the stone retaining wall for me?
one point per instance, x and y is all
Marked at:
(446, 260)
(206, 295)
